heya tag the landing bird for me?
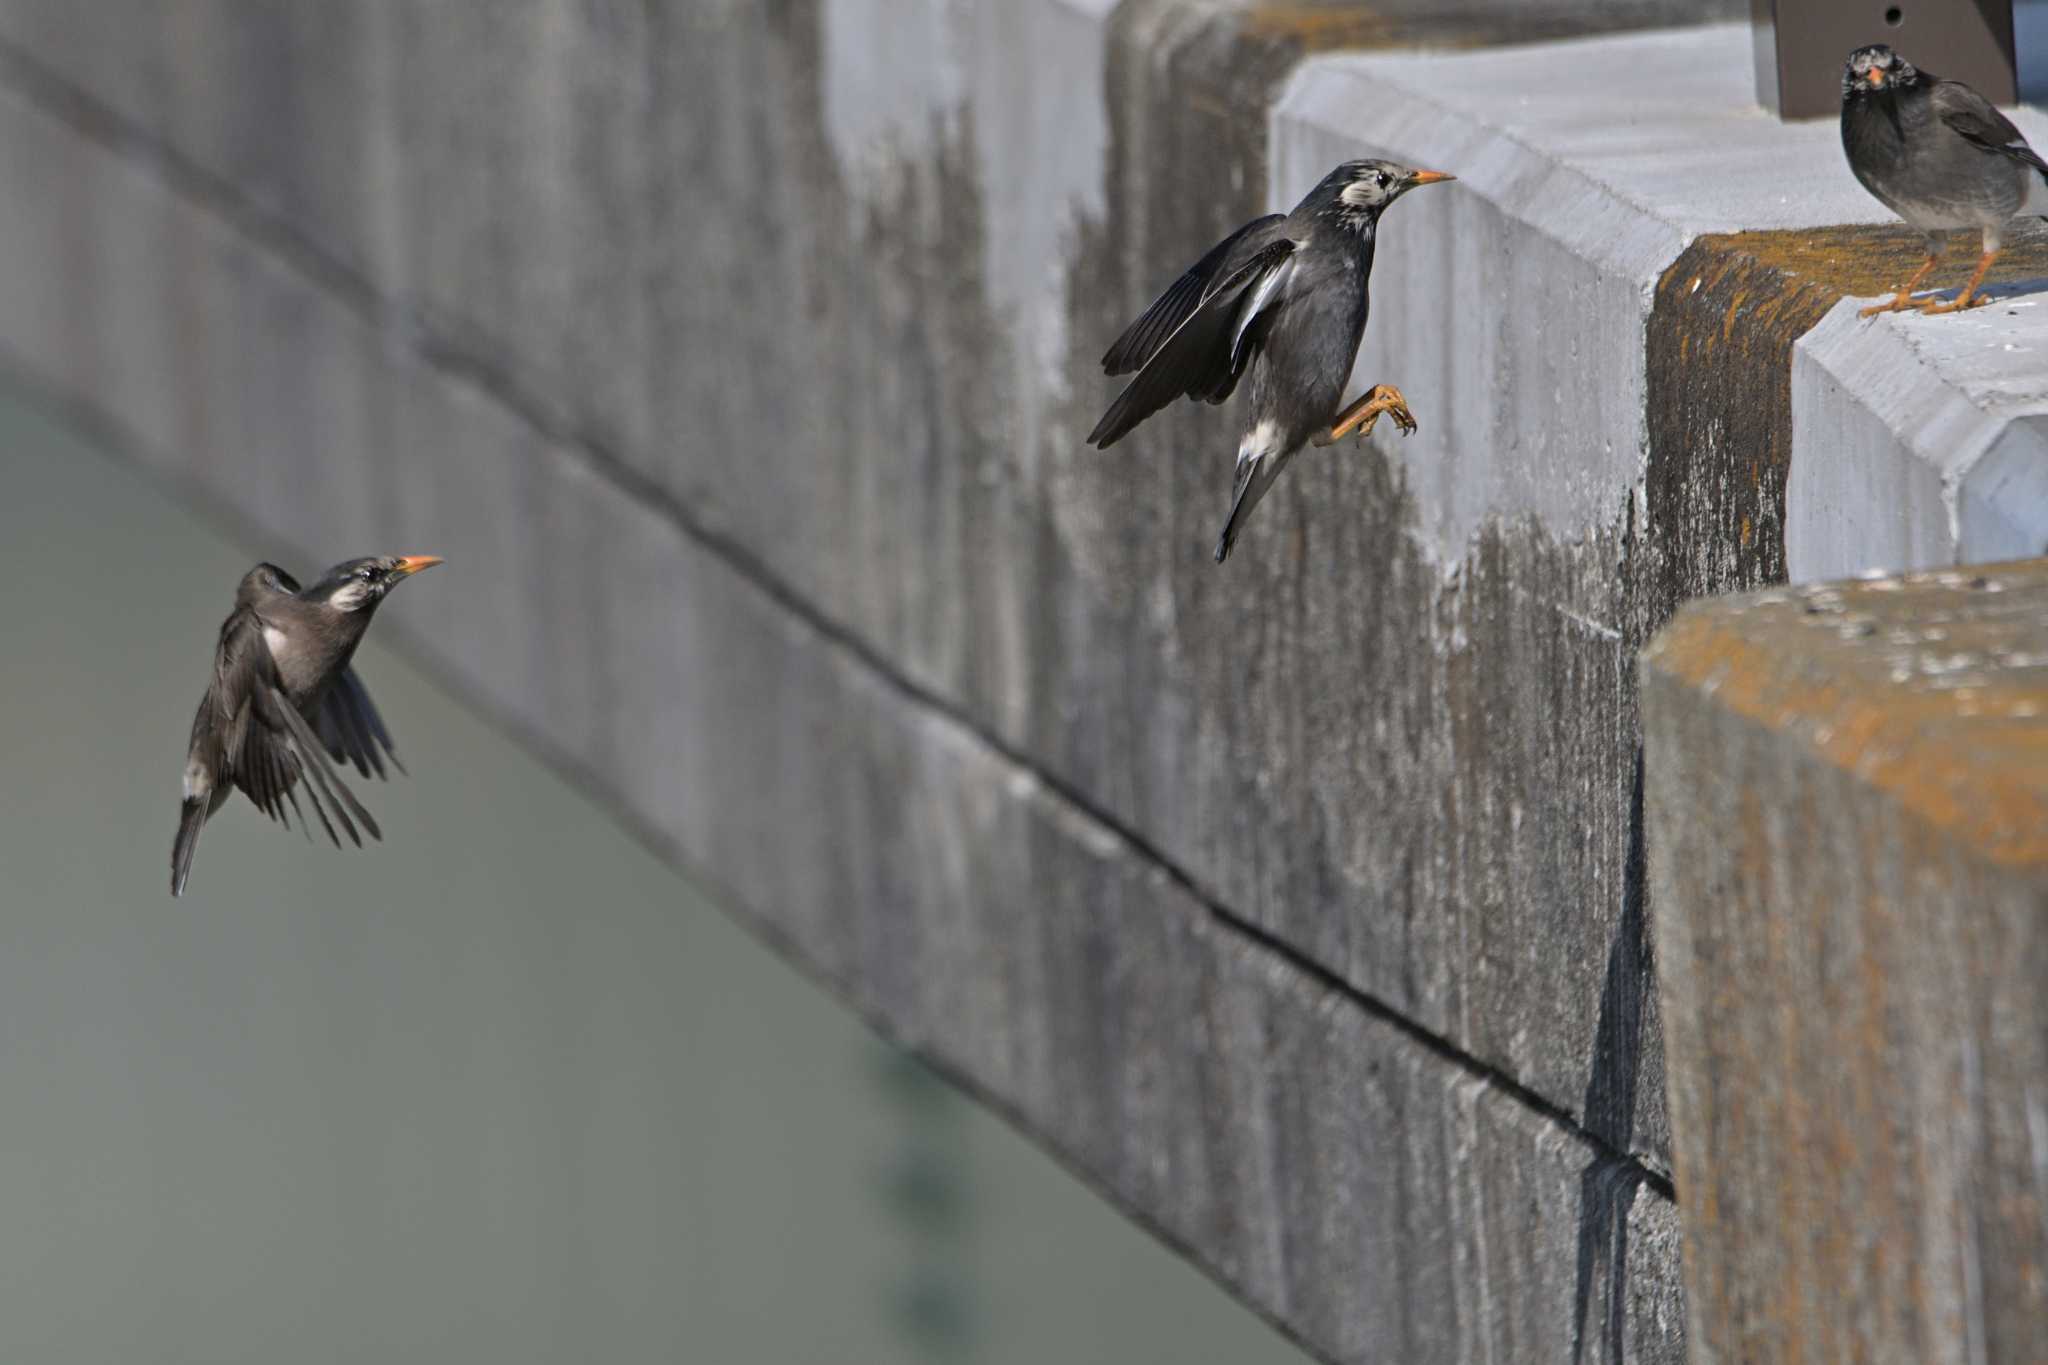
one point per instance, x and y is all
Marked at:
(283, 700)
(1284, 296)
(1940, 156)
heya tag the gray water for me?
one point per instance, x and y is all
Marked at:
(501, 1089)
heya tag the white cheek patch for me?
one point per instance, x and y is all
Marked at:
(1358, 194)
(351, 596)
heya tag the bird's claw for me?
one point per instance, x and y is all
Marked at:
(1898, 304)
(1361, 415)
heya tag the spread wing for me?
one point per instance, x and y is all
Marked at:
(1209, 349)
(351, 729)
(1978, 120)
(268, 748)
(1171, 309)
(346, 719)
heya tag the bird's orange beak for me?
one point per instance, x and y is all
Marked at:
(408, 565)
(1431, 177)
(1876, 77)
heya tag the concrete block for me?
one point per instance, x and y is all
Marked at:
(1925, 439)
(1847, 802)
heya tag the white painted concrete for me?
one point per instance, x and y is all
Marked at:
(1021, 84)
(1919, 441)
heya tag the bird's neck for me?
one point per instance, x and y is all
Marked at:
(1350, 221)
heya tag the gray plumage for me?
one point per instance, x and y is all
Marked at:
(284, 706)
(1939, 155)
(1286, 298)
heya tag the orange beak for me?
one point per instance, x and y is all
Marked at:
(1876, 77)
(1431, 177)
(408, 565)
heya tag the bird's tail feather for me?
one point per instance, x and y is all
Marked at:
(191, 818)
(1254, 477)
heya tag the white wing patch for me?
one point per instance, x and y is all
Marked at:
(1256, 302)
(1262, 440)
(274, 640)
(198, 782)
(2037, 192)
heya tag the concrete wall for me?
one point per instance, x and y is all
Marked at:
(1848, 832)
(739, 356)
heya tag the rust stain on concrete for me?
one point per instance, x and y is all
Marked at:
(1931, 687)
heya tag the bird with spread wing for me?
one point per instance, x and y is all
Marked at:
(284, 706)
(1284, 297)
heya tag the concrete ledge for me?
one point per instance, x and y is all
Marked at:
(1847, 807)
(1928, 436)
(1517, 305)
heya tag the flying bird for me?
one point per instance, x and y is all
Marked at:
(1285, 296)
(284, 706)
(1940, 156)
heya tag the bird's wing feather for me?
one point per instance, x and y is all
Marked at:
(348, 724)
(309, 758)
(1167, 312)
(267, 745)
(1207, 352)
(1257, 298)
(1979, 121)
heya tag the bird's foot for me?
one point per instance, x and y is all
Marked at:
(1361, 415)
(1897, 304)
(1955, 305)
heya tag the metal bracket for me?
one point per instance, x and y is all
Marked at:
(1801, 45)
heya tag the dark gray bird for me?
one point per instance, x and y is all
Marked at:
(283, 702)
(1940, 156)
(1284, 296)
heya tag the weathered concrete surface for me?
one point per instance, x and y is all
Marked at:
(1847, 808)
(1019, 772)
(885, 313)
(1592, 452)
(1729, 314)
(1372, 1194)
(1919, 441)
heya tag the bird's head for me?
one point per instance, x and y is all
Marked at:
(360, 584)
(1357, 192)
(1875, 70)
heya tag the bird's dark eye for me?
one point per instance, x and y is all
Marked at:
(366, 573)
(1382, 178)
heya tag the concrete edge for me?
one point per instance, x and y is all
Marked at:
(1795, 662)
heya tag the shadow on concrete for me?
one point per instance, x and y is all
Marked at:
(1994, 291)
(1607, 1187)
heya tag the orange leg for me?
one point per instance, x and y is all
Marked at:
(1360, 416)
(1968, 298)
(1904, 298)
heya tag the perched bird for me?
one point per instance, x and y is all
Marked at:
(1940, 156)
(283, 700)
(1284, 296)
